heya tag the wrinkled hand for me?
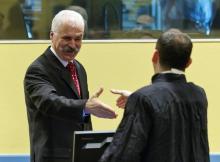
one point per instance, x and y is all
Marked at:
(122, 99)
(95, 107)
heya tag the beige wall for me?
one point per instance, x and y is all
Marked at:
(111, 65)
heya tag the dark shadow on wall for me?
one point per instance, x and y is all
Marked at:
(16, 28)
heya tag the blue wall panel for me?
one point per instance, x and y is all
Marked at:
(26, 158)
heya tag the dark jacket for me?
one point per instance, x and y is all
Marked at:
(54, 108)
(163, 122)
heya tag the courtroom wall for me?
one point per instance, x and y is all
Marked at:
(109, 65)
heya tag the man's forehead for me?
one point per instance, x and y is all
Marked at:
(78, 34)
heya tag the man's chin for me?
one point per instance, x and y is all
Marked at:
(70, 57)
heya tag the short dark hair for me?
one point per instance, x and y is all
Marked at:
(174, 49)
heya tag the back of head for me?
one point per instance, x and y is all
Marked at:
(67, 16)
(174, 49)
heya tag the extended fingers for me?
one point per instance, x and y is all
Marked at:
(115, 91)
(105, 111)
(108, 113)
(121, 92)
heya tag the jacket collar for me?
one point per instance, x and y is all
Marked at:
(168, 77)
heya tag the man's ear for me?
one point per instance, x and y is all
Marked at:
(155, 57)
(51, 35)
(189, 62)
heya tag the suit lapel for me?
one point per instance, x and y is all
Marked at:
(81, 80)
(68, 79)
(61, 70)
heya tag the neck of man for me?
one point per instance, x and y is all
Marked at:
(161, 69)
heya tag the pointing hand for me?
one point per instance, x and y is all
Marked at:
(122, 99)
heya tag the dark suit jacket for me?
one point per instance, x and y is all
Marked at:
(54, 108)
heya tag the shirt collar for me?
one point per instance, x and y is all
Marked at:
(174, 71)
(63, 62)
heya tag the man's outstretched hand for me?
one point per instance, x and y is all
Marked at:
(95, 107)
(122, 99)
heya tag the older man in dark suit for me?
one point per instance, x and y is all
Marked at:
(56, 93)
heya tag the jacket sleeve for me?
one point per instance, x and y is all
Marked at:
(41, 94)
(131, 136)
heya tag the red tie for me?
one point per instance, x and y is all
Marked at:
(72, 69)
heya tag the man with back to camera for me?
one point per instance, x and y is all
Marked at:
(167, 120)
(56, 93)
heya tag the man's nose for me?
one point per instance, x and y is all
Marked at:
(72, 43)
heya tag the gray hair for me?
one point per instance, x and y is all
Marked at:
(80, 10)
(67, 16)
